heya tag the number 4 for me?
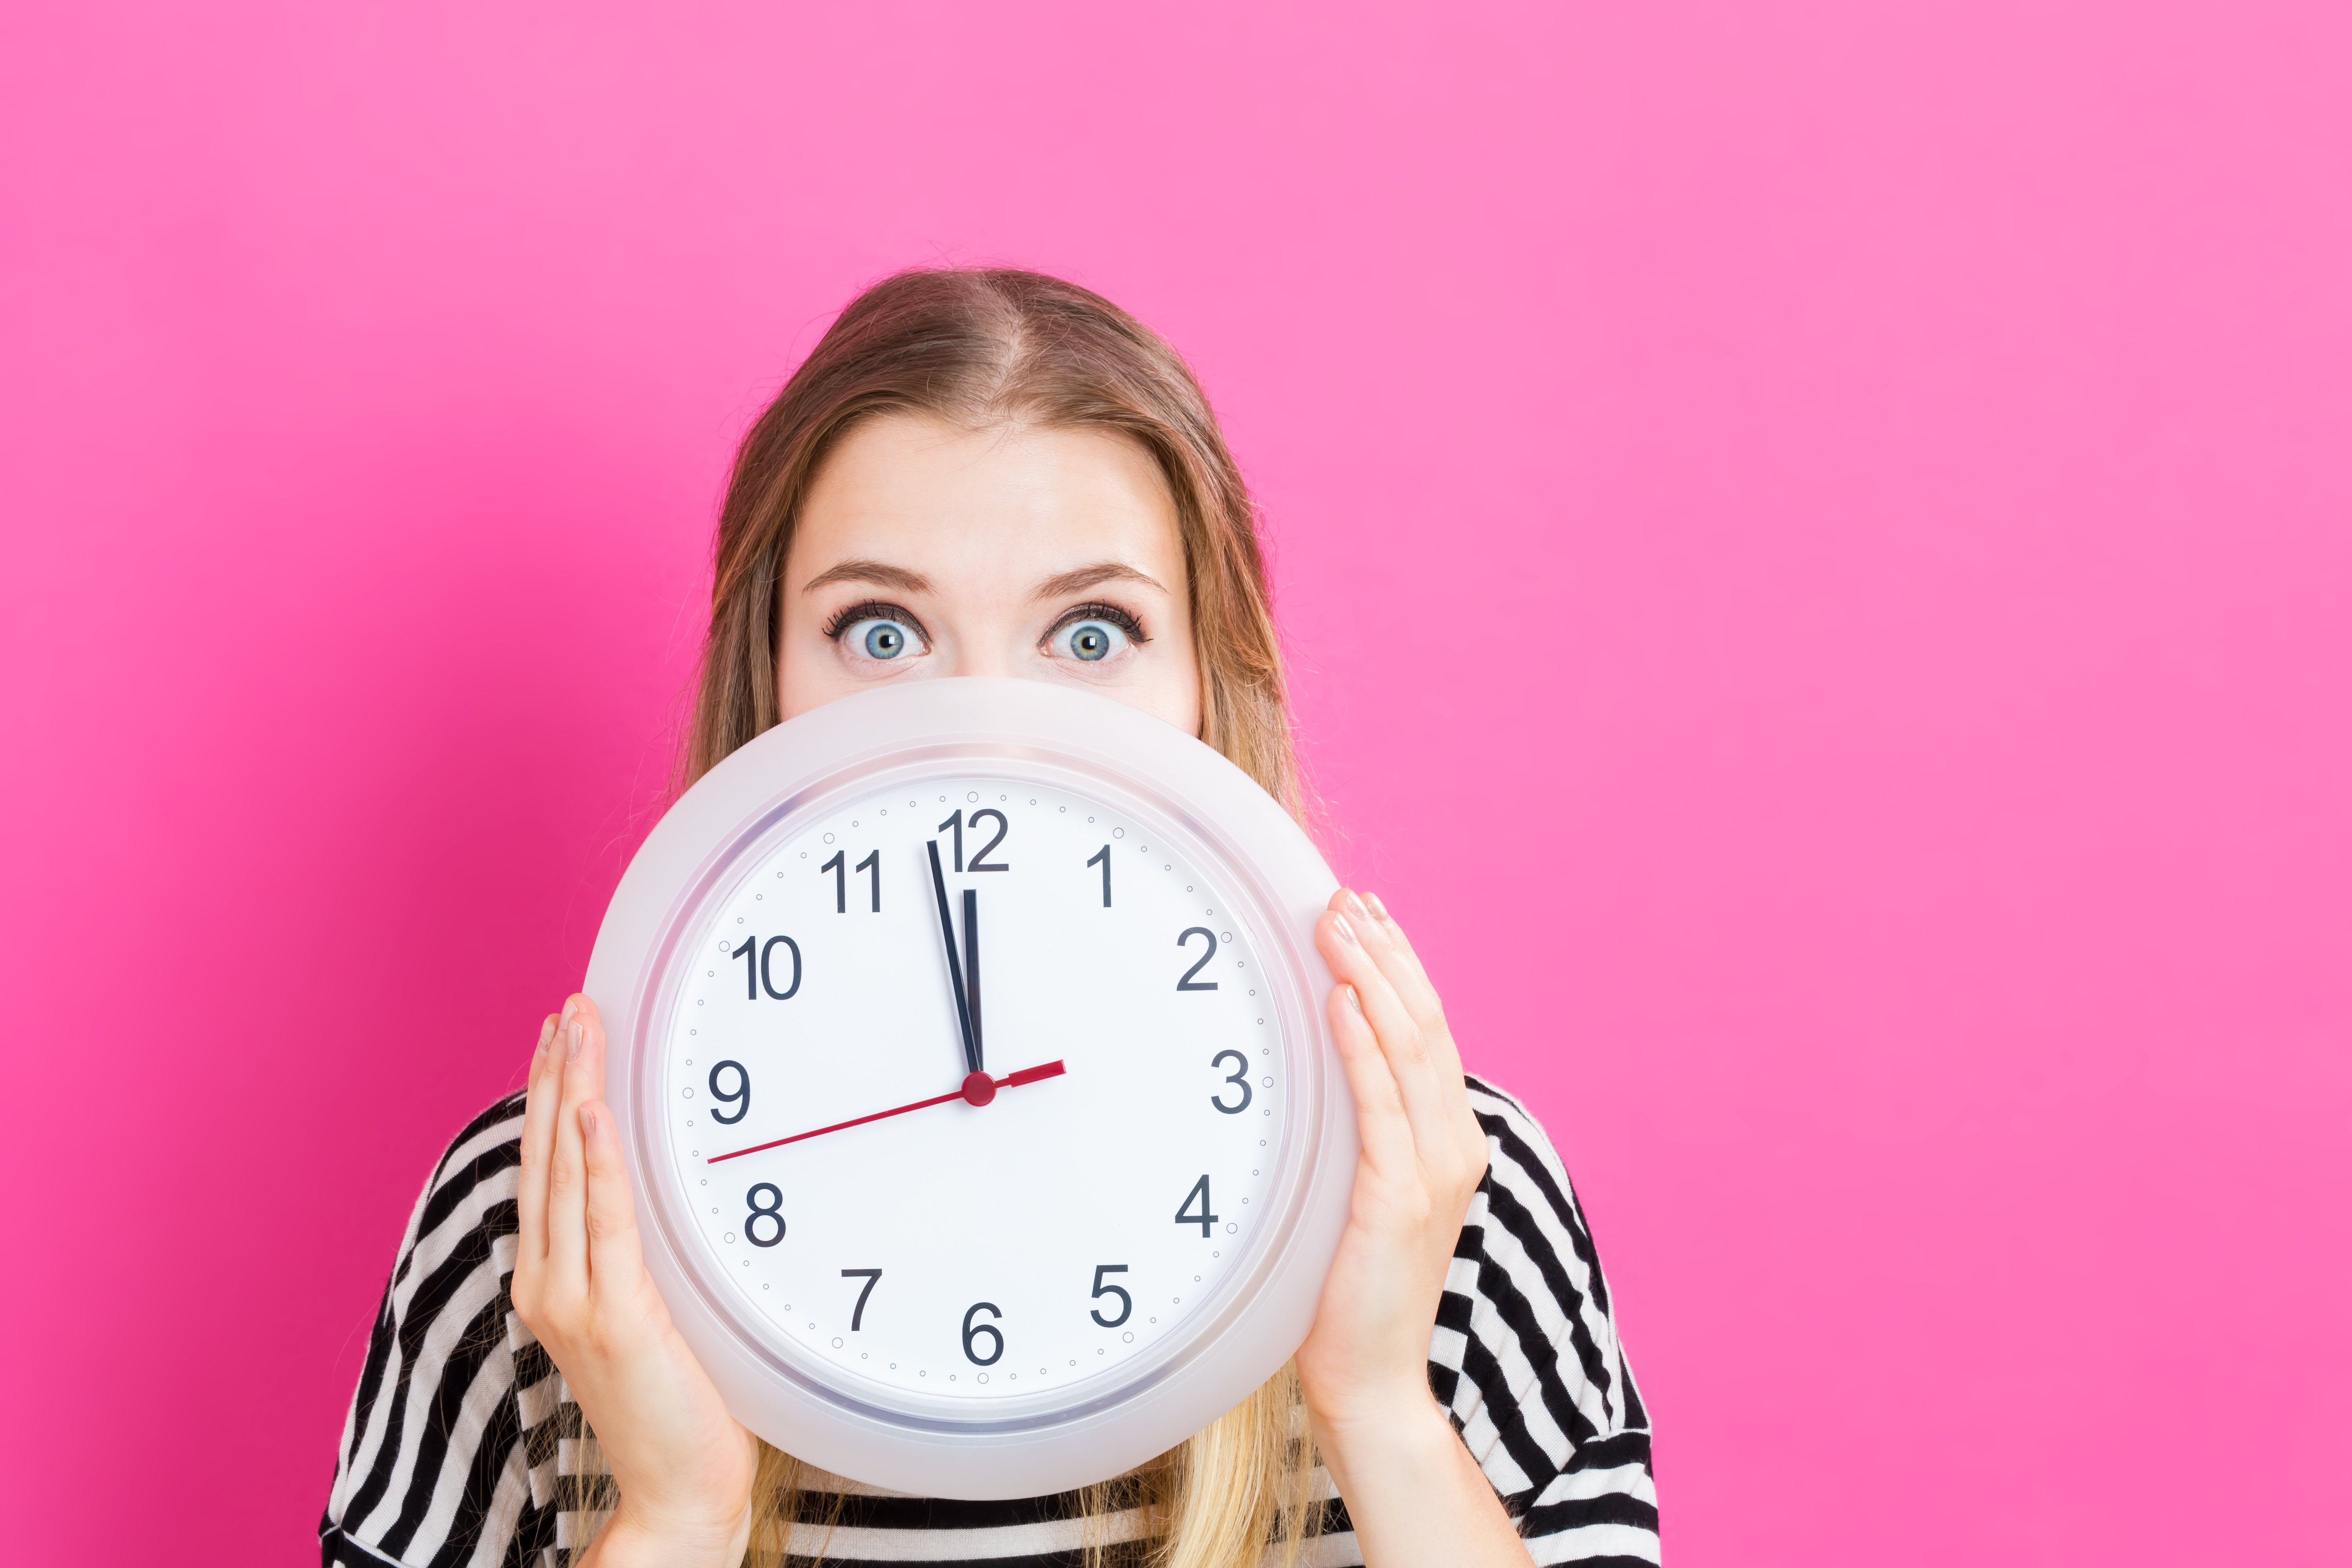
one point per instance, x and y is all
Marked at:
(1204, 1219)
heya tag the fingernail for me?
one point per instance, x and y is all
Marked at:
(1346, 932)
(1354, 905)
(1380, 909)
(588, 1122)
(546, 1032)
(1355, 1002)
(573, 1038)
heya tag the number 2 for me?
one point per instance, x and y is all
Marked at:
(1188, 983)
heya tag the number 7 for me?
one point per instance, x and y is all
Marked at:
(871, 1277)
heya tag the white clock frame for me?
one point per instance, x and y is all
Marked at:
(1195, 799)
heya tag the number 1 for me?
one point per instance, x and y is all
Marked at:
(1102, 858)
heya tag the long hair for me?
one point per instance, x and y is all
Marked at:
(986, 348)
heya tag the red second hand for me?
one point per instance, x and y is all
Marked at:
(1011, 1081)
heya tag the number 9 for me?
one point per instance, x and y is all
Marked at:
(739, 1097)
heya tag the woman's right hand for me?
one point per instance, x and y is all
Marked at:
(684, 1467)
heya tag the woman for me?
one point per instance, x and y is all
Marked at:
(997, 473)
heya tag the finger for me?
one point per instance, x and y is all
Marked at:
(1385, 940)
(581, 1042)
(537, 1141)
(1397, 960)
(613, 1249)
(1381, 1125)
(1402, 1042)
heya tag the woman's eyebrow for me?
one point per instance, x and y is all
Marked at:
(1093, 576)
(878, 572)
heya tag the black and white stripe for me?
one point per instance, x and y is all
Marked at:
(463, 1446)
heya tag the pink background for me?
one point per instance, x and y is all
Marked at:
(1813, 540)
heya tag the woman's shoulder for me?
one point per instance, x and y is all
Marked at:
(1528, 1288)
(431, 1458)
(1527, 1359)
(490, 1142)
(1521, 1154)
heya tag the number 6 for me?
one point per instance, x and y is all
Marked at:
(970, 1333)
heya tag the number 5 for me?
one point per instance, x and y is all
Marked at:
(1126, 1301)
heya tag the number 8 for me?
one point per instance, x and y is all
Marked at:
(772, 1209)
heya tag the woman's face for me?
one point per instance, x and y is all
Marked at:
(925, 550)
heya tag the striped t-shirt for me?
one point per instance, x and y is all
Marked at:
(463, 1445)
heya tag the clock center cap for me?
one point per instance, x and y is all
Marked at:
(979, 1088)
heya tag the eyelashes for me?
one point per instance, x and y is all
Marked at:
(1097, 611)
(1096, 632)
(874, 610)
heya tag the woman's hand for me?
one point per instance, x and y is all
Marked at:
(1412, 1490)
(682, 1465)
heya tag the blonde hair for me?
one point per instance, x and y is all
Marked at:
(984, 348)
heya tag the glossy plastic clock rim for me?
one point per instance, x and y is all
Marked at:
(656, 1138)
(1104, 742)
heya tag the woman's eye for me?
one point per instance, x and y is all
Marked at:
(880, 638)
(1092, 640)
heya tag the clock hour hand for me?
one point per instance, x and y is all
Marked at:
(965, 1022)
(972, 977)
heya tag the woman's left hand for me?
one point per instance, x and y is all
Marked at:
(1413, 1493)
(1364, 1369)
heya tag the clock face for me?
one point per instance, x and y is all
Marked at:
(973, 1089)
(970, 1051)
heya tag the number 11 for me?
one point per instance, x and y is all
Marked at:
(839, 867)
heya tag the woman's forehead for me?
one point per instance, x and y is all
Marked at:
(1035, 509)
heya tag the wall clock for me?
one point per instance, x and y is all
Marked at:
(968, 1042)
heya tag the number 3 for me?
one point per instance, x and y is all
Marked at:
(1240, 1079)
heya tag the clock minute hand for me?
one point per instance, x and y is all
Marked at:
(964, 1020)
(971, 1093)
